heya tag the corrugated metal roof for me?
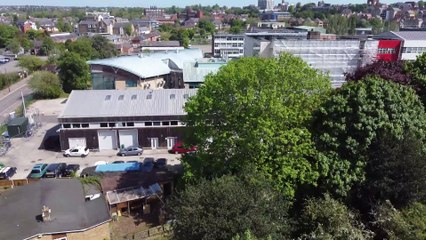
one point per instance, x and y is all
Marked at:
(412, 35)
(96, 103)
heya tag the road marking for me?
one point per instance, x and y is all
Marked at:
(24, 85)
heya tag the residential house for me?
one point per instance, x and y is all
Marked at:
(110, 119)
(119, 28)
(160, 46)
(27, 25)
(191, 22)
(53, 209)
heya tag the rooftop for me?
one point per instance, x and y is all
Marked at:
(126, 103)
(404, 35)
(154, 64)
(21, 209)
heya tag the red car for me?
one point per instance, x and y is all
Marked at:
(179, 148)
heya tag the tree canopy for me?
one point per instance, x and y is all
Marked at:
(229, 206)
(45, 85)
(347, 123)
(253, 114)
(31, 63)
(74, 72)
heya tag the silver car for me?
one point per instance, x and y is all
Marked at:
(132, 150)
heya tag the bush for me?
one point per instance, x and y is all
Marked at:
(46, 85)
(7, 79)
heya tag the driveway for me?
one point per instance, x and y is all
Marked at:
(25, 152)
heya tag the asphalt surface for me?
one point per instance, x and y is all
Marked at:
(10, 98)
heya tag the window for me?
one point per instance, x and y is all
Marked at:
(156, 123)
(148, 123)
(174, 123)
(85, 125)
(121, 97)
(104, 124)
(166, 123)
(130, 124)
(111, 124)
(131, 83)
(66, 125)
(76, 125)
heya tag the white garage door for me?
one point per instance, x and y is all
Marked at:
(107, 139)
(74, 142)
(128, 137)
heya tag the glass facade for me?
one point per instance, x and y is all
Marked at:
(102, 80)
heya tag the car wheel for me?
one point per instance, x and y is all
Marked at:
(176, 152)
(67, 155)
(139, 153)
(82, 155)
(123, 154)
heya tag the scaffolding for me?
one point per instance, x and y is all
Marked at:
(332, 57)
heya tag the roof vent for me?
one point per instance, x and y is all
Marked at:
(172, 96)
(121, 97)
(134, 97)
(107, 97)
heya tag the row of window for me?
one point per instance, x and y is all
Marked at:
(386, 50)
(230, 38)
(123, 124)
(414, 49)
(228, 45)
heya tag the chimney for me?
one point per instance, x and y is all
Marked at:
(45, 213)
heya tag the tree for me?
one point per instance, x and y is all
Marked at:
(14, 46)
(227, 206)
(395, 171)
(407, 224)
(128, 29)
(103, 47)
(7, 33)
(391, 71)
(31, 63)
(417, 70)
(253, 114)
(47, 46)
(83, 47)
(208, 26)
(326, 218)
(45, 85)
(421, 4)
(347, 123)
(74, 72)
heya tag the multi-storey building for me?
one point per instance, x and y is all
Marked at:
(228, 46)
(265, 4)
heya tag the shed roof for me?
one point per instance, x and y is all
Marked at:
(150, 64)
(126, 103)
(21, 209)
(18, 121)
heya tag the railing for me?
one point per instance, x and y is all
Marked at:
(155, 231)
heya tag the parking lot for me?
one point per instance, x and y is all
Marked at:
(25, 152)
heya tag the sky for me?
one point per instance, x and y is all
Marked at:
(160, 3)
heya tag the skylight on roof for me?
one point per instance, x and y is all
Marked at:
(121, 97)
(172, 96)
(107, 97)
(134, 97)
(149, 96)
(185, 96)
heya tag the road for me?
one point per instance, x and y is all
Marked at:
(10, 101)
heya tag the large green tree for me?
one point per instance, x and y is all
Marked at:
(103, 47)
(45, 84)
(74, 72)
(83, 47)
(347, 123)
(31, 63)
(7, 33)
(229, 206)
(253, 114)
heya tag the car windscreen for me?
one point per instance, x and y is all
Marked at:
(35, 171)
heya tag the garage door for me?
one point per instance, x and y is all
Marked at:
(74, 142)
(128, 137)
(107, 139)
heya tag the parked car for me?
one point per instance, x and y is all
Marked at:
(38, 170)
(77, 152)
(55, 170)
(160, 163)
(132, 161)
(118, 161)
(179, 148)
(132, 150)
(71, 169)
(100, 163)
(7, 172)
